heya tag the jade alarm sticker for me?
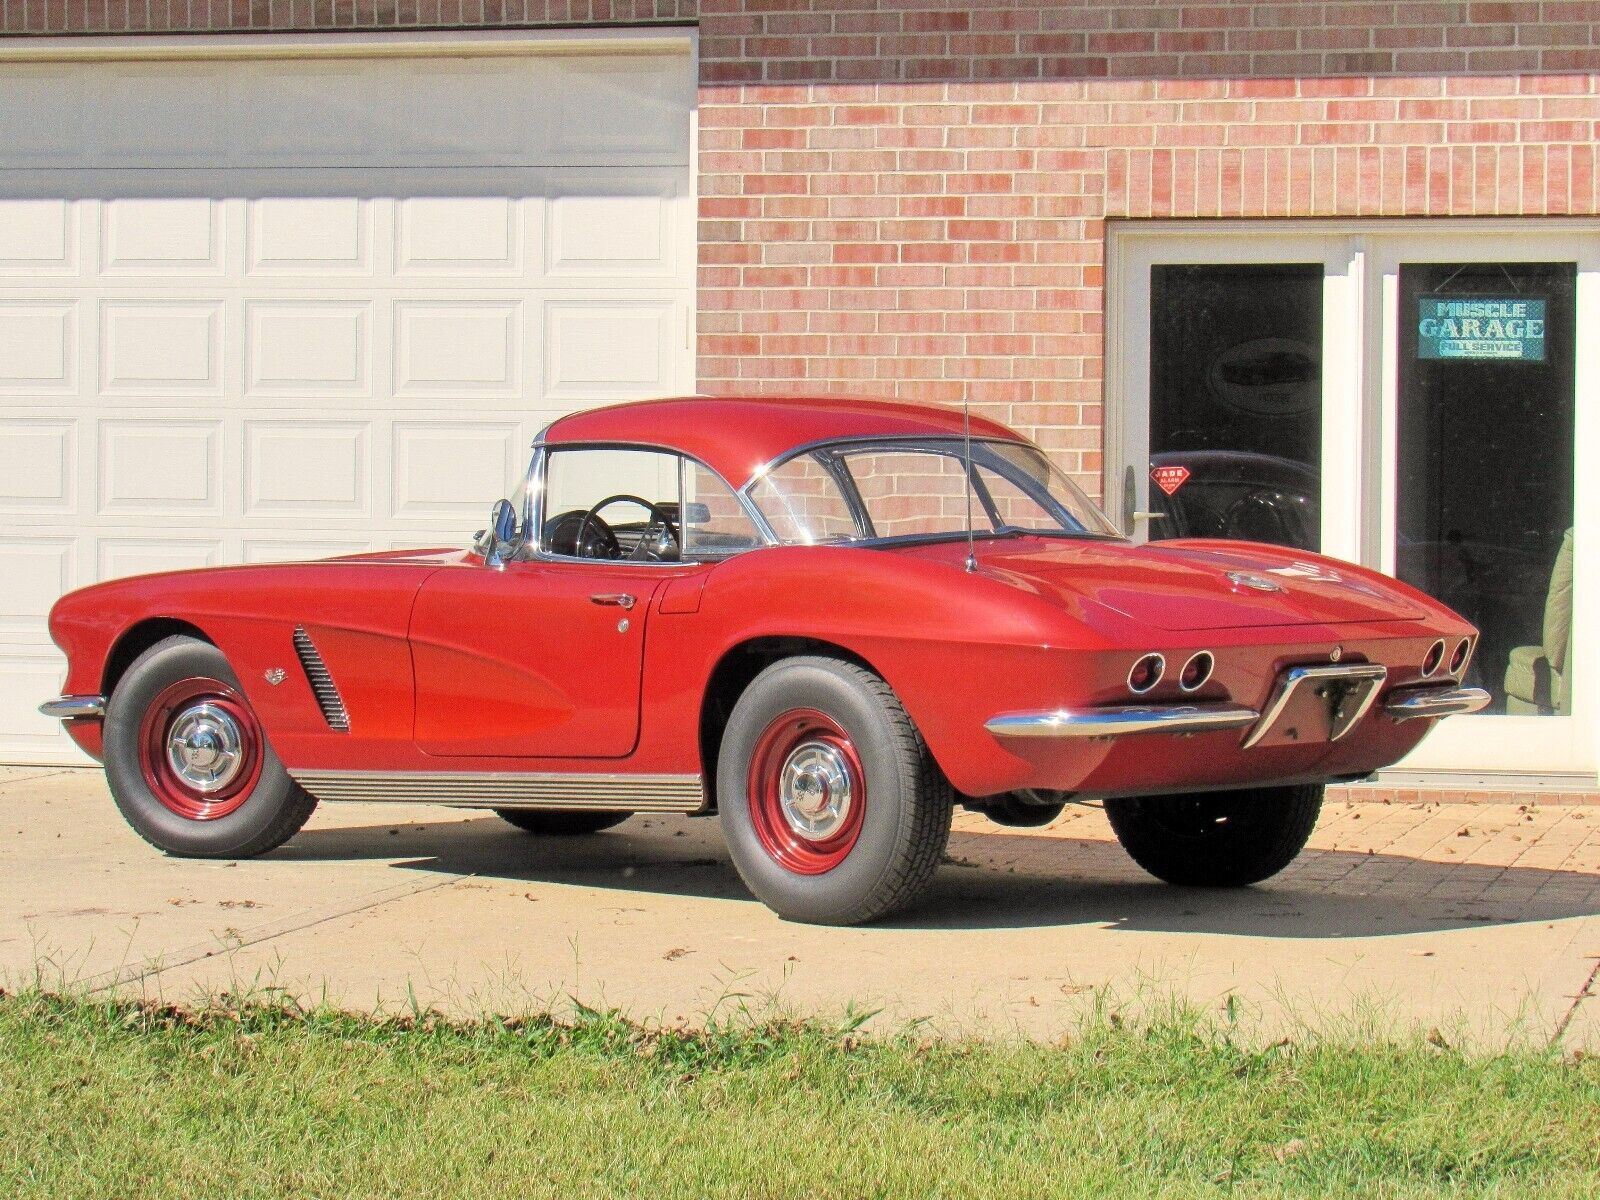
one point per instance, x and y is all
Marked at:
(1480, 327)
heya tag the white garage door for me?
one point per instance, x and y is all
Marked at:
(281, 308)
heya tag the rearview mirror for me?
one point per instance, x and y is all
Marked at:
(501, 539)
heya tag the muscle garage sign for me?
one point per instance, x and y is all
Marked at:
(1480, 327)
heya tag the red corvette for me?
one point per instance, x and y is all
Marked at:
(826, 621)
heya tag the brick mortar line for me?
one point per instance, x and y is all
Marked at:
(158, 965)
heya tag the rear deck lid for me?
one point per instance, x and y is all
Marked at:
(1189, 587)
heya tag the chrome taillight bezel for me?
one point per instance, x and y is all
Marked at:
(1433, 659)
(1208, 664)
(1157, 672)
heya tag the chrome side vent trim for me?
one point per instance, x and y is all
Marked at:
(322, 685)
(511, 789)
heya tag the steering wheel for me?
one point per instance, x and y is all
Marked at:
(660, 530)
(576, 534)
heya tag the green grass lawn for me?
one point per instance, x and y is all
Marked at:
(103, 1099)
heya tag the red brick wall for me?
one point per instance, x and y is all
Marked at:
(910, 197)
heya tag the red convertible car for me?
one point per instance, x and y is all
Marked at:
(827, 622)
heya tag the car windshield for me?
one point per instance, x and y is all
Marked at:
(870, 491)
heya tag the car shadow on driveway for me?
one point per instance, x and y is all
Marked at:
(1006, 880)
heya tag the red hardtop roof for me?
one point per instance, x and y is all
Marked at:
(737, 435)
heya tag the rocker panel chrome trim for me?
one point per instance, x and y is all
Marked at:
(1410, 704)
(72, 708)
(511, 789)
(1122, 721)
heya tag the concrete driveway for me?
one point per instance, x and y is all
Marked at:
(1481, 919)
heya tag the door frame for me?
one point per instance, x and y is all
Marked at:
(1360, 341)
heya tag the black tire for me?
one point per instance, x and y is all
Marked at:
(902, 825)
(1217, 839)
(271, 810)
(565, 822)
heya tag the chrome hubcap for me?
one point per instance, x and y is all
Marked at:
(814, 788)
(205, 747)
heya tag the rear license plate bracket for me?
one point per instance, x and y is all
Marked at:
(1315, 704)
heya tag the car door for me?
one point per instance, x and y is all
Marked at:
(541, 659)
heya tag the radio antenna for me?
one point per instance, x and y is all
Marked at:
(966, 434)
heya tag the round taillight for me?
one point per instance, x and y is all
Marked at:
(1458, 660)
(1432, 659)
(1146, 673)
(1196, 671)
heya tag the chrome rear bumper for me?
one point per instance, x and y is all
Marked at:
(1402, 704)
(1410, 704)
(69, 708)
(1119, 722)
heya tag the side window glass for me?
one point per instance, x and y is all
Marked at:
(714, 522)
(803, 503)
(913, 493)
(612, 504)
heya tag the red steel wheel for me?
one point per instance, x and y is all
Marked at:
(808, 792)
(200, 748)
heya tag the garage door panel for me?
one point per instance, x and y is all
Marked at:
(440, 466)
(38, 464)
(341, 94)
(210, 354)
(622, 108)
(168, 114)
(165, 347)
(437, 114)
(160, 466)
(165, 235)
(43, 117)
(610, 235)
(311, 468)
(38, 347)
(301, 235)
(608, 349)
(313, 348)
(29, 736)
(458, 347)
(38, 237)
(459, 235)
(38, 570)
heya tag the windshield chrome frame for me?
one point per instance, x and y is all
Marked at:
(840, 444)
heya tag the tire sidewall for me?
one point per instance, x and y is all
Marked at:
(837, 894)
(158, 668)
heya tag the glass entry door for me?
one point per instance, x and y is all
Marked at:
(1233, 350)
(1419, 400)
(1236, 402)
(1483, 379)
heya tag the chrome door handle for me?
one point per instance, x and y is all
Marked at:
(1148, 516)
(617, 599)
